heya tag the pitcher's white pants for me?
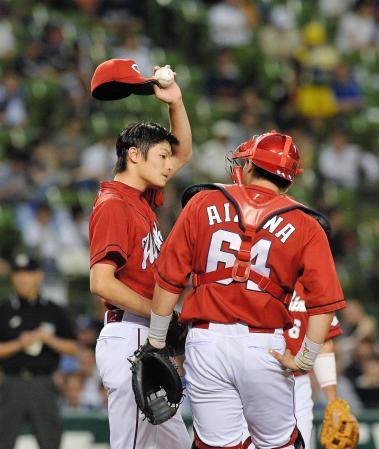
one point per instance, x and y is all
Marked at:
(128, 430)
(231, 377)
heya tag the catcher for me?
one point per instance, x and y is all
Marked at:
(245, 253)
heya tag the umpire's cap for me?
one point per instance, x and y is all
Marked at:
(118, 78)
(22, 261)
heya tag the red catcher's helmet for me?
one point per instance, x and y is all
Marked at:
(273, 152)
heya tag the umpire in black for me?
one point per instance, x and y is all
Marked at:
(33, 334)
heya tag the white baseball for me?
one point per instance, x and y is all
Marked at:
(165, 76)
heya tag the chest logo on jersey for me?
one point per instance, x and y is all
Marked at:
(151, 244)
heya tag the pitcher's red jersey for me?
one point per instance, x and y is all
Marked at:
(124, 232)
(289, 247)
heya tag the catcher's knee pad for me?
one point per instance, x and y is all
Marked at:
(198, 444)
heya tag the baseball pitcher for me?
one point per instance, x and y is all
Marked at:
(124, 244)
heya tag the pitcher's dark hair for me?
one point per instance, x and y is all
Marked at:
(142, 135)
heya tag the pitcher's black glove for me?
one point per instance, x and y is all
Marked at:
(176, 335)
(156, 383)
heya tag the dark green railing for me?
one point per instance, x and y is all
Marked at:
(97, 424)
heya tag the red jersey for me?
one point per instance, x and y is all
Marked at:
(124, 232)
(206, 236)
(295, 336)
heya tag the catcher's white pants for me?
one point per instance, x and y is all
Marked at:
(303, 409)
(128, 430)
(230, 375)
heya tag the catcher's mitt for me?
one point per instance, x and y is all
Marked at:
(156, 384)
(340, 429)
(176, 336)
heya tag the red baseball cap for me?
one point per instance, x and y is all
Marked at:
(118, 78)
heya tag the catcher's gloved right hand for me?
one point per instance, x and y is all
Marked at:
(340, 429)
(156, 383)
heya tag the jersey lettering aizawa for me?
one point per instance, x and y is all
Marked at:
(207, 236)
(124, 232)
(273, 225)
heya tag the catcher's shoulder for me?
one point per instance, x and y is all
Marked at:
(314, 221)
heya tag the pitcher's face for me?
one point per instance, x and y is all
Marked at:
(158, 167)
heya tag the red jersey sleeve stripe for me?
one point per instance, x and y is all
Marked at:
(165, 284)
(110, 245)
(326, 308)
(101, 254)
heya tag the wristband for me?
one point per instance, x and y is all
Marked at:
(307, 354)
(325, 369)
(158, 330)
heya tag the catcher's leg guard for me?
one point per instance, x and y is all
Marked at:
(198, 444)
(246, 443)
(299, 443)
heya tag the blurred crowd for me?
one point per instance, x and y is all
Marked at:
(309, 69)
(77, 379)
(357, 357)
